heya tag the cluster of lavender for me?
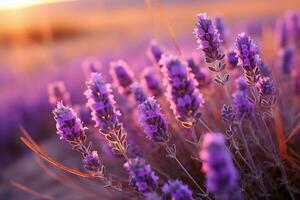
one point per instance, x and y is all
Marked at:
(244, 162)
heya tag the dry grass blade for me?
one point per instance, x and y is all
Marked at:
(31, 191)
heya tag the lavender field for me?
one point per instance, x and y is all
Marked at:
(154, 99)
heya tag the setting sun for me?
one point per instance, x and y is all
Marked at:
(18, 4)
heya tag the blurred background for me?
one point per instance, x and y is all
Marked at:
(42, 41)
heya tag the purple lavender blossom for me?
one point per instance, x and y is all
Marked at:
(152, 83)
(286, 59)
(68, 125)
(182, 93)
(139, 94)
(141, 176)
(282, 34)
(153, 121)
(176, 190)
(155, 51)
(247, 52)
(227, 114)
(91, 65)
(220, 173)
(265, 86)
(220, 26)
(200, 75)
(92, 162)
(241, 84)
(122, 75)
(208, 38)
(242, 105)
(101, 103)
(264, 70)
(57, 92)
(232, 59)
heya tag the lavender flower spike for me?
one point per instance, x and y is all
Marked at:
(155, 51)
(220, 173)
(152, 82)
(200, 75)
(153, 121)
(208, 38)
(247, 52)
(220, 26)
(141, 176)
(176, 190)
(68, 125)
(242, 105)
(265, 86)
(57, 92)
(287, 59)
(122, 75)
(232, 59)
(139, 94)
(101, 102)
(182, 93)
(92, 162)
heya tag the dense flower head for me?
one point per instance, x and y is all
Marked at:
(241, 84)
(152, 83)
(102, 104)
(91, 65)
(232, 59)
(220, 173)
(138, 93)
(122, 75)
(208, 38)
(220, 26)
(57, 93)
(68, 125)
(141, 176)
(176, 190)
(242, 105)
(200, 75)
(265, 86)
(92, 162)
(247, 52)
(153, 121)
(182, 93)
(155, 51)
(287, 58)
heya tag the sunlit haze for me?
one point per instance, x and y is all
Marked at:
(19, 4)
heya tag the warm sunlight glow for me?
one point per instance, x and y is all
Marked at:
(18, 4)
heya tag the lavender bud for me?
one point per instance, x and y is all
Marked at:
(139, 94)
(263, 69)
(182, 93)
(101, 103)
(57, 93)
(227, 114)
(287, 58)
(265, 86)
(220, 173)
(242, 105)
(153, 121)
(68, 125)
(91, 65)
(247, 52)
(152, 83)
(92, 162)
(200, 75)
(241, 84)
(122, 75)
(155, 51)
(176, 190)
(232, 59)
(141, 176)
(208, 38)
(282, 34)
(220, 26)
